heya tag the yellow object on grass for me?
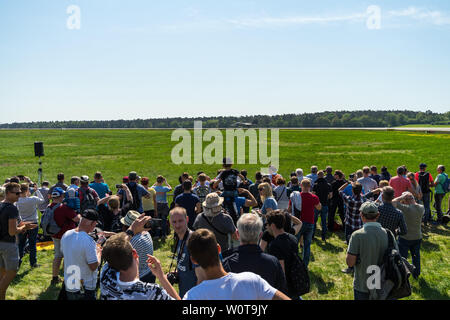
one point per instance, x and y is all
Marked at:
(48, 245)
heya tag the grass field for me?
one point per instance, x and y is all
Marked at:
(116, 152)
(426, 126)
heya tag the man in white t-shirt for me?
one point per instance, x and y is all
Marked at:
(218, 284)
(82, 257)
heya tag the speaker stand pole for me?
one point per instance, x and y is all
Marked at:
(40, 173)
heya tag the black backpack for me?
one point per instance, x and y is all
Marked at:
(88, 201)
(297, 277)
(424, 182)
(395, 272)
(230, 182)
(136, 204)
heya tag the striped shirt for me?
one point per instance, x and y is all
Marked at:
(143, 244)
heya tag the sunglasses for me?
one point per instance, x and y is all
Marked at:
(17, 193)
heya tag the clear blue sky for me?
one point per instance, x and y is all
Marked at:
(146, 59)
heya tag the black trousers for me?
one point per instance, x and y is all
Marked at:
(336, 204)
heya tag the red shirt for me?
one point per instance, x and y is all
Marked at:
(63, 218)
(417, 177)
(309, 201)
(400, 185)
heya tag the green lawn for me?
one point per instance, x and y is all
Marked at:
(116, 152)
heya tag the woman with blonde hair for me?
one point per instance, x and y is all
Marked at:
(269, 202)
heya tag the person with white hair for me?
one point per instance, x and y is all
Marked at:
(249, 256)
(413, 213)
(299, 173)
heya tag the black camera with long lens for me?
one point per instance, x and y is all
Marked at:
(154, 224)
(173, 278)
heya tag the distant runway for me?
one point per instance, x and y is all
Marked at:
(414, 129)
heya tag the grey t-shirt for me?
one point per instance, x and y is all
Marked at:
(368, 244)
(222, 222)
(413, 214)
(368, 184)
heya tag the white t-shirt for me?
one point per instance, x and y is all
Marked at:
(233, 286)
(79, 250)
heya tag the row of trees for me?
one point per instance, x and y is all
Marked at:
(344, 119)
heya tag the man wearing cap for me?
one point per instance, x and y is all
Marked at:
(366, 248)
(426, 182)
(66, 218)
(81, 258)
(88, 196)
(137, 191)
(213, 218)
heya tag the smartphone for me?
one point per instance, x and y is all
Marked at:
(118, 186)
(154, 223)
(21, 177)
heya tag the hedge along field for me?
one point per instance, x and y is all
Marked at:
(116, 152)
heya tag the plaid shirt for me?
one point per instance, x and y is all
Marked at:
(353, 203)
(391, 218)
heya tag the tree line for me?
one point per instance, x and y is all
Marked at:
(342, 119)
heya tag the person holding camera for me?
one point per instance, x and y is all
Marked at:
(81, 258)
(185, 271)
(143, 244)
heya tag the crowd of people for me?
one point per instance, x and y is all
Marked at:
(233, 238)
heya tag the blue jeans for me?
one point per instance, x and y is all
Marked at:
(31, 235)
(323, 218)
(361, 295)
(307, 232)
(426, 204)
(348, 233)
(405, 246)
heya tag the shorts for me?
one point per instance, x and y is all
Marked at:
(57, 244)
(9, 256)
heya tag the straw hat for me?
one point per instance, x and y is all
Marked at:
(212, 204)
(130, 217)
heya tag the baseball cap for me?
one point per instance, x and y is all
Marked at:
(84, 179)
(422, 165)
(369, 207)
(57, 192)
(90, 214)
(126, 179)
